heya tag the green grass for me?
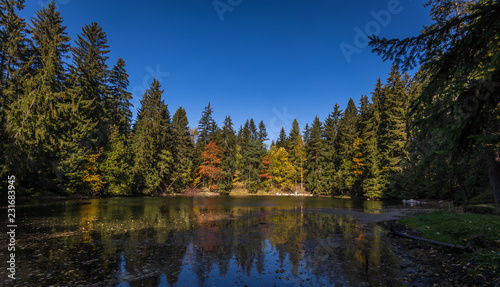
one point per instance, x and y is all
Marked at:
(456, 228)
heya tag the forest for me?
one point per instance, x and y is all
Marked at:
(66, 123)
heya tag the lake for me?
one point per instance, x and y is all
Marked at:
(204, 241)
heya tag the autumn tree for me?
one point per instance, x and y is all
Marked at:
(210, 168)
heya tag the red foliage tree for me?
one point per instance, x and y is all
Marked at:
(264, 174)
(212, 158)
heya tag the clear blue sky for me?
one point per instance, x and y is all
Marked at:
(267, 60)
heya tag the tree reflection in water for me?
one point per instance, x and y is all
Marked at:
(204, 242)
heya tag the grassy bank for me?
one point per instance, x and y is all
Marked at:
(481, 231)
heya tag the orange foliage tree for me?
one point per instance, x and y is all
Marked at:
(210, 168)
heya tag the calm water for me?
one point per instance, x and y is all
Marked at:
(217, 241)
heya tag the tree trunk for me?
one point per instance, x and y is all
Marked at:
(462, 186)
(465, 248)
(494, 174)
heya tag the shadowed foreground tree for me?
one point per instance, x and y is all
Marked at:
(460, 58)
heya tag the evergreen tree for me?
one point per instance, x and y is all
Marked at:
(206, 127)
(230, 162)
(315, 157)
(118, 104)
(182, 151)
(117, 163)
(347, 132)
(459, 56)
(34, 114)
(89, 73)
(252, 152)
(295, 146)
(393, 138)
(14, 69)
(153, 158)
(331, 156)
(262, 134)
(372, 183)
(292, 136)
(281, 141)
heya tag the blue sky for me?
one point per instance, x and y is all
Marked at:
(267, 60)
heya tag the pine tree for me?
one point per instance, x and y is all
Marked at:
(34, 114)
(281, 141)
(153, 157)
(14, 69)
(347, 132)
(252, 152)
(117, 163)
(262, 133)
(118, 103)
(182, 151)
(459, 57)
(292, 136)
(331, 163)
(315, 157)
(230, 162)
(393, 138)
(372, 183)
(206, 127)
(295, 146)
(89, 73)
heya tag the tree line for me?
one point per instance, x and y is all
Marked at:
(66, 126)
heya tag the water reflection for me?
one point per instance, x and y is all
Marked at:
(179, 241)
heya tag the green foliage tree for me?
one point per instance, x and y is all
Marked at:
(89, 72)
(182, 151)
(153, 157)
(14, 69)
(315, 156)
(331, 156)
(459, 57)
(118, 104)
(34, 116)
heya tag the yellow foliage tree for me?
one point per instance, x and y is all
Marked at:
(92, 175)
(281, 168)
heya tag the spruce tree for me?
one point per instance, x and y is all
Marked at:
(34, 115)
(230, 162)
(315, 157)
(182, 151)
(262, 133)
(89, 73)
(297, 154)
(281, 141)
(118, 163)
(153, 158)
(459, 57)
(14, 69)
(347, 133)
(372, 183)
(331, 164)
(206, 127)
(118, 104)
